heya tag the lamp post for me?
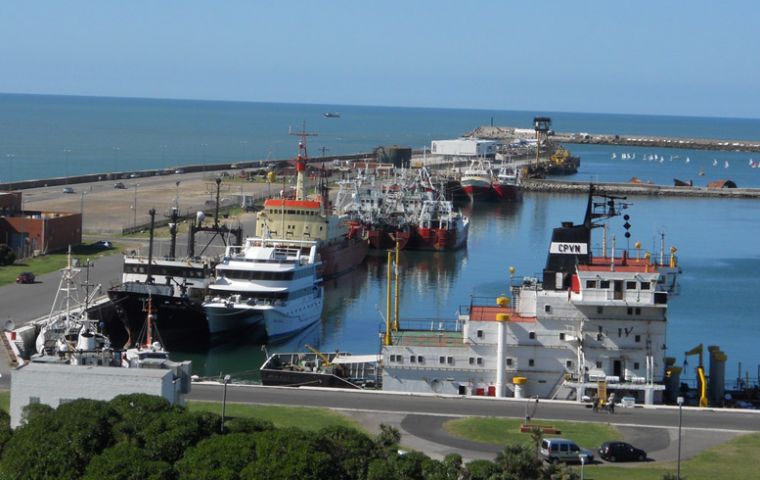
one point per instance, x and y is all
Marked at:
(176, 196)
(679, 400)
(582, 458)
(115, 157)
(10, 157)
(134, 207)
(224, 400)
(66, 152)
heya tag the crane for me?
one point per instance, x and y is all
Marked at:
(325, 360)
(701, 382)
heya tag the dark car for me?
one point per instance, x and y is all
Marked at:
(25, 277)
(621, 452)
(119, 185)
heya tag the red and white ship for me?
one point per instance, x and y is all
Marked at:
(477, 181)
(341, 246)
(507, 185)
(439, 227)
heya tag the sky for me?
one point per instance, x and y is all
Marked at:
(695, 58)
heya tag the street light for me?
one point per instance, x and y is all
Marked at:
(679, 401)
(134, 207)
(224, 399)
(10, 157)
(582, 458)
(176, 197)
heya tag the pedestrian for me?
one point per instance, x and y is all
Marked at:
(595, 403)
(611, 403)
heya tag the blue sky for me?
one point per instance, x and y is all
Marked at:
(648, 57)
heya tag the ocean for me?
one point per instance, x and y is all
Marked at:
(716, 238)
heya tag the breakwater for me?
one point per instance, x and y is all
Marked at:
(691, 143)
(639, 189)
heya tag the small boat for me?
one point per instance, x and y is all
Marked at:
(331, 115)
(316, 369)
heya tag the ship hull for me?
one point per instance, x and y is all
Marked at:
(508, 192)
(342, 255)
(439, 238)
(280, 325)
(385, 238)
(224, 318)
(180, 321)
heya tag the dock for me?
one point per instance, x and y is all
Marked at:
(507, 133)
(638, 189)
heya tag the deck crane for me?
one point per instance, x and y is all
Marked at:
(701, 382)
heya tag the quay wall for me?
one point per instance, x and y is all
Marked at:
(639, 189)
(506, 133)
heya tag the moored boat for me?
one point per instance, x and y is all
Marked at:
(439, 227)
(315, 369)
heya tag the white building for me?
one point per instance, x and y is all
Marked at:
(464, 147)
(57, 383)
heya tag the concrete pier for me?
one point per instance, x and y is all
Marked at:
(638, 189)
(508, 133)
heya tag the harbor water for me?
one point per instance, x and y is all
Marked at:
(716, 238)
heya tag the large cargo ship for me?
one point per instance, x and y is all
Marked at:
(592, 318)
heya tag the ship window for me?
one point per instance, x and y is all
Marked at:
(33, 400)
(599, 310)
(630, 285)
(638, 310)
(420, 359)
(569, 364)
(548, 308)
(598, 364)
(531, 362)
(509, 362)
(590, 283)
(412, 359)
(646, 285)
(604, 284)
(532, 335)
(635, 365)
(480, 333)
(638, 338)
(562, 336)
(442, 360)
(630, 310)
(450, 360)
(480, 361)
(472, 360)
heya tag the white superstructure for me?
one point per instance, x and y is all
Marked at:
(269, 281)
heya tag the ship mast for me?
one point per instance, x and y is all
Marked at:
(301, 160)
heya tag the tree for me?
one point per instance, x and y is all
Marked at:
(246, 425)
(387, 440)
(482, 469)
(135, 412)
(349, 448)
(58, 443)
(126, 462)
(289, 453)
(7, 256)
(5, 429)
(519, 462)
(170, 433)
(221, 457)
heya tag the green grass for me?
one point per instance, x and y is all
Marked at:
(301, 417)
(52, 262)
(503, 431)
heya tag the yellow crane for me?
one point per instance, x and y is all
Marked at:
(325, 360)
(701, 382)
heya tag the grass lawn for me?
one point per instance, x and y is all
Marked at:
(503, 431)
(301, 417)
(5, 401)
(53, 261)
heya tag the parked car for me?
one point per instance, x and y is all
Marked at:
(621, 452)
(68, 190)
(556, 450)
(119, 185)
(103, 244)
(25, 277)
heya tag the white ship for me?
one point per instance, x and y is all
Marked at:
(266, 281)
(591, 318)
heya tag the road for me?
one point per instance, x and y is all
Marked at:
(420, 418)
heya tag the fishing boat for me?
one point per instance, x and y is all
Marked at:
(331, 115)
(340, 242)
(438, 226)
(269, 282)
(316, 369)
(507, 185)
(477, 181)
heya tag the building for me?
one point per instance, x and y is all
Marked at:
(57, 383)
(464, 147)
(27, 232)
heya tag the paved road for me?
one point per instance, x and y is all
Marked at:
(654, 429)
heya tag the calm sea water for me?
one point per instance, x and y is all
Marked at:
(716, 238)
